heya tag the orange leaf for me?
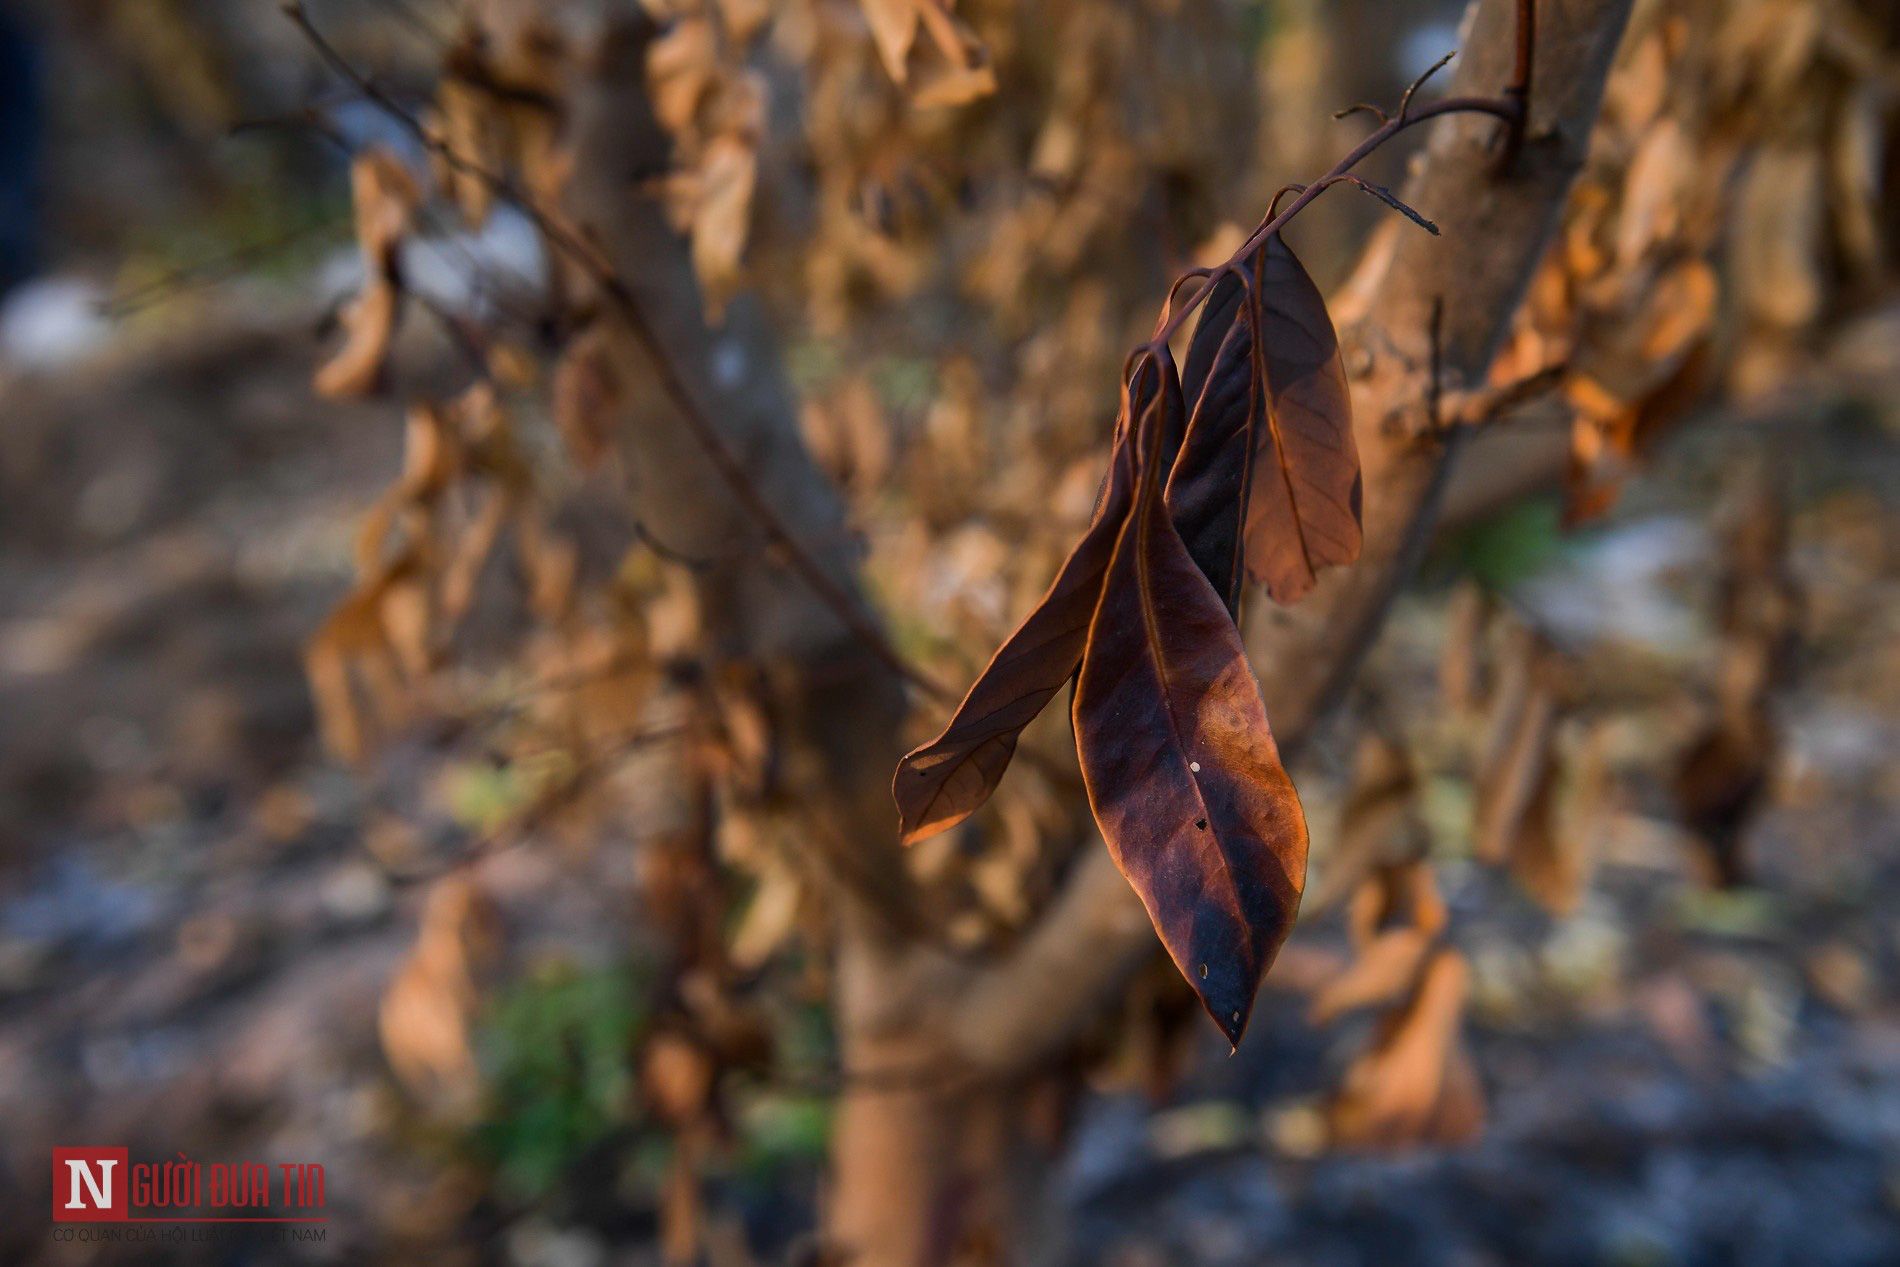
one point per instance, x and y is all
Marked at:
(1416, 1084)
(385, 198)
(1269, 394)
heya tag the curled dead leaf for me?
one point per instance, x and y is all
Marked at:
(1182, 772)
(943, 782)
(425, 1015)
(1269, 398)
(1416, 1084)
(385, 199)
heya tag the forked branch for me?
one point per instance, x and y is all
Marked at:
(1511, 108)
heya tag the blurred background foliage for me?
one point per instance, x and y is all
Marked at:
(1597, 964)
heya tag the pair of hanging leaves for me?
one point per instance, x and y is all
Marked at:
(1243, 466)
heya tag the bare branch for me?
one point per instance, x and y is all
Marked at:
(1362, 108)
(1387, 197)
(1509, 111)
(1405, 102)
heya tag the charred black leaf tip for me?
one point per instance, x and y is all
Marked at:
(1226, 988)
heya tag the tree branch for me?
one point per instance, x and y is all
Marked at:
(1496, 224)
(838, 596)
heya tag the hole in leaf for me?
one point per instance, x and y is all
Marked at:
(1195, 766)
(1201, 823)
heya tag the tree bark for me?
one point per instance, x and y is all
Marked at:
(836, 710)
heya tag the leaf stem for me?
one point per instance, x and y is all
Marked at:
(1507, 108)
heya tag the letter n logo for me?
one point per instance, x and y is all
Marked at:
(89, 1185)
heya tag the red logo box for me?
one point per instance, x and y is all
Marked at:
(89, 1185)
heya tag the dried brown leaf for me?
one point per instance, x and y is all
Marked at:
(1519, 761)
(385, 198)
(1416, 1084)
(1181, 768)
(1385, 971)
(949, 70)
(1379, 825)
(727, 174)
(425, 1014)
(1269, 397)
(368, 322)
(583, 396)
(682, 68)
(893, 26)
(943, 782)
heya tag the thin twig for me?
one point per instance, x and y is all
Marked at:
(1512, 107)
(843, 604)
(1519, 89)
(1273, 207)
(1405, 102)
(1363, 107)
(1499, 108)
(1387, 197)
(670, 553)
(309, 118)
(1507, 398)
(514, 831)
(467, 341)
(211, 271)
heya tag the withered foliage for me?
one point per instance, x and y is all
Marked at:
(420, 551)
(1415, 1082)
(928, 50)
(1260, 479)
(1236, 466)
(385, 198)
(427, 1013)
(1731, 193)
(1270, 400)
(1518, 776)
